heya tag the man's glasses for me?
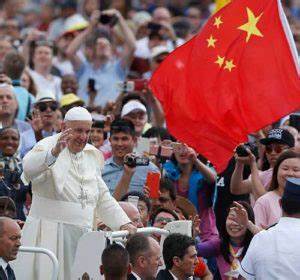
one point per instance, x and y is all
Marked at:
(277, 149)
(43, 106)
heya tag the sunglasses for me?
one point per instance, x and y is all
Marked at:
(43, 106)
(276, 149)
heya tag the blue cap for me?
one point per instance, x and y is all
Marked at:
(292, 189)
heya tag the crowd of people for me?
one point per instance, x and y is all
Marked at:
(84, 146)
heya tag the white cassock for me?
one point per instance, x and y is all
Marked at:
(68, 193)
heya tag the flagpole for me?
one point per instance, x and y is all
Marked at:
(289, 36)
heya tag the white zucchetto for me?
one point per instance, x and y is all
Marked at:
(78, 114)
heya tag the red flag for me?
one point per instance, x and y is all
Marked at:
(237, 75)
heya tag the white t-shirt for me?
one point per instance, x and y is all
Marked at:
(274, 253)
(44, 85)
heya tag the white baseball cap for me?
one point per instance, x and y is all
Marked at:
(132, 105)
(158, 50)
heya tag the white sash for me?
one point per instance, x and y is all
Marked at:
(61, 211)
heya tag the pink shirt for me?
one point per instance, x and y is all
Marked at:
(225, 267)
(265, 178)
(267, 209)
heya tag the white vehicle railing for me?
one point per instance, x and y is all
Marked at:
(147, 230)
(40, 250)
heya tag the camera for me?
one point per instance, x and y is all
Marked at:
(133, 161)
(154, 27)
(241, 149)
(108, 20)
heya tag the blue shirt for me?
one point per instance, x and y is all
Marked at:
(106, 79)
(25, 102)
(28, 140)
(113, 172)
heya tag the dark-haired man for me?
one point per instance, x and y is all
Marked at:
(119, 177)
(180, 257)
(145, 257)
(115, 263)
(274, 253)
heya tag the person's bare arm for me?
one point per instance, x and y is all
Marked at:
(129, 38)
(207, 275)
(207, 172)
(257, 187)
(239, 186)
(157, 110)
(77, 42)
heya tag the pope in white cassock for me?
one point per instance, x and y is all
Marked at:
(68, 193)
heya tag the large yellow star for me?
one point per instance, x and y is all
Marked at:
(211, 41)
(220, 60)
(250, 26)
(229, 65)
(218, 22)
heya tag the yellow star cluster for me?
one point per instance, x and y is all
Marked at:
(250, 27)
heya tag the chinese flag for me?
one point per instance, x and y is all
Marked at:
(221, 3)
(236, 76)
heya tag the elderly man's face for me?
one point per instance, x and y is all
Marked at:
(8, 102)
(79, 136)
(10, 240)
(154, 260)
(47, 111)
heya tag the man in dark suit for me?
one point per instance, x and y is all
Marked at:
(10, 236)
(115, 263)
(145, 257)
(180, 257)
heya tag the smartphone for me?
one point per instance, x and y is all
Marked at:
(152, 182)
(91, 85)
(108, 20)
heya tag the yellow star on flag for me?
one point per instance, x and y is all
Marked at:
(229, 65)
(211, 41)
(250, 26)
(218, 22)
(220, 60)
